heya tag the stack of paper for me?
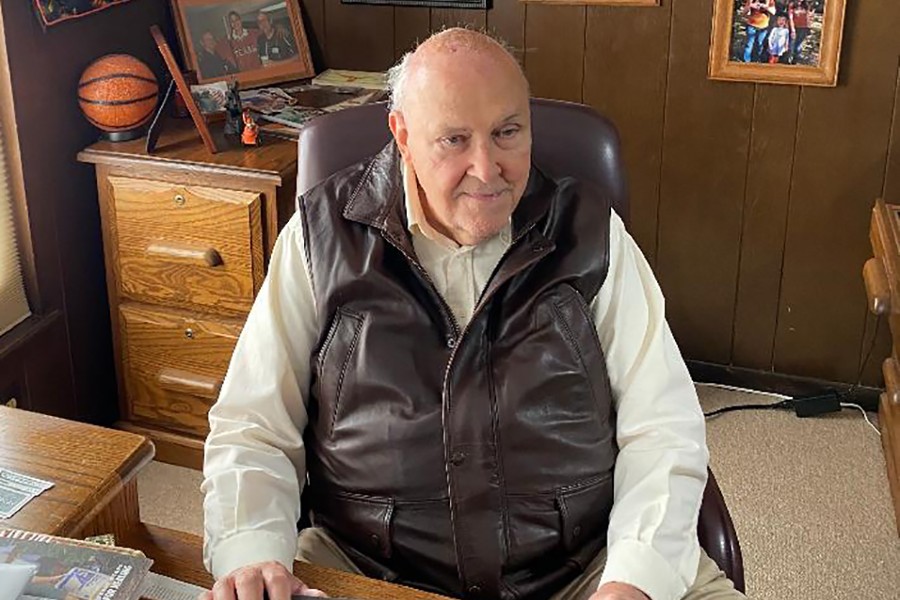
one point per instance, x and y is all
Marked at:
(370, 80)
(17, 490)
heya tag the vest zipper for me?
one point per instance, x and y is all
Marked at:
(445, 389)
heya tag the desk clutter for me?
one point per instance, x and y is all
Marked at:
(17, 490)
(285, 111)
(46, 567)
(35, 566)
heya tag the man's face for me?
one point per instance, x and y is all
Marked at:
(236, 25)
(209, 42)
(466, 128)
(263, 20)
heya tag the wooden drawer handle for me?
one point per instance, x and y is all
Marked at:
(877, 288)
(207, 257)
(176, 380)
(891, 380)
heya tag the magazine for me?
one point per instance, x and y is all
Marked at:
(370, 80)
(74, 570)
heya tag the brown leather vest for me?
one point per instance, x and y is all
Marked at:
(478, 461)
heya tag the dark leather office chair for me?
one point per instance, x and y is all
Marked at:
(568, 139)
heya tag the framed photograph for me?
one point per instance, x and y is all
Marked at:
(257, 42)
(210, 97)
(777, 41)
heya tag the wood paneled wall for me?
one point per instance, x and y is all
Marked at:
(752, 202)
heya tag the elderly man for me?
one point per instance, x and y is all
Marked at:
(469, 364)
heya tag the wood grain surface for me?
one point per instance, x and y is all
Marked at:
(179, 147)
(179, 555)
(189, 246)
(882, 279)
(174, 365)
(633, 94)
(90, 467)
(188, 235)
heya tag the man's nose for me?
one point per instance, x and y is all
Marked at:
(485, 165)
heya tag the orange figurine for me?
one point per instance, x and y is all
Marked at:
(250, 135)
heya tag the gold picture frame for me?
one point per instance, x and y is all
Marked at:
(749, 41)
(256, 42)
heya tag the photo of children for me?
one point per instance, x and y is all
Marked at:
(785, 32)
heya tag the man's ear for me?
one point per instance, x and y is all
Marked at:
(401, 134)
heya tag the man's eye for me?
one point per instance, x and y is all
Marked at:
(453, 140)
(507, 132)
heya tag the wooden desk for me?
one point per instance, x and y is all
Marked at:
(95, 492)
(179, 555)
(882, 278)
(93, 470)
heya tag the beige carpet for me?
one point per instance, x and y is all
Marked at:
(809, 499)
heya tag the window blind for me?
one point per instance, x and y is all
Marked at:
(13, 302)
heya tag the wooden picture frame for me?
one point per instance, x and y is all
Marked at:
(271, 46)
(808, 53)
(183, 89)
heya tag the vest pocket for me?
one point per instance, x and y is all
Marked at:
(584, 510)
(334, 362)
(360, 520)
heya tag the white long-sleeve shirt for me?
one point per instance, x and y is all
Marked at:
(255, 462)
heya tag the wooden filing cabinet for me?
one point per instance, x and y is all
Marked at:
(882, 278)
(186, 237)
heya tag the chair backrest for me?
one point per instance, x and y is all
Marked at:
(568, 140)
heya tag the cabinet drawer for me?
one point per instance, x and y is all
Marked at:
(174, 365)
(187, 246)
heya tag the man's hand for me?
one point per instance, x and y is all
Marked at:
(249, 583)
(618, 591)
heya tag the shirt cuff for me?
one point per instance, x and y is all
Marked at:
(639, 565)
(250, 547)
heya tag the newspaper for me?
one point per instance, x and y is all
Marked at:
(17, 490)
(73, 570)
(370, 80)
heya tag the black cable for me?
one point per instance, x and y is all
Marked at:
(811, 405)
(848, 395)
(783, 405)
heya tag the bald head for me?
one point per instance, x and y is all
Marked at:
(466, 50)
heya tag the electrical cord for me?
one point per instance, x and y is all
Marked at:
(848, 395)
(782, 405)
(809, 406)
(864, 414)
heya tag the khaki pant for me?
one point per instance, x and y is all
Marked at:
(316, 546)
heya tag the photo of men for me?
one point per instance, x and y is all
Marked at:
(248, 37)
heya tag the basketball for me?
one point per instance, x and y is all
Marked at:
(118, 93)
